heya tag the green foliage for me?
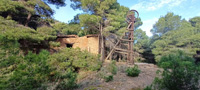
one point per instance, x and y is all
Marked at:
(10, 56)
(90, 23)
(74, 59)
(54, 44)
(30, 72)
(180, 73)
(10, 6)
(167, 23)
(184, 36)
(112, 67)
(69, 82)
(115, 20)
(108, 78)
(30, 39)
(141, 39)
(69, 29)
(35, 71)
(31, 13)
(56, 2)
(106, 13)
(9, 29)
(133, 71)
(108, 71)
(148, 88)
(67, 61)
(142, 42)
(102, 17)
(47, 33)
(195, 22)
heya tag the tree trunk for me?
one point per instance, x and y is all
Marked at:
(28, 19)
(102, 44)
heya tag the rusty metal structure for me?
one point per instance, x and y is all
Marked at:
(128, 38)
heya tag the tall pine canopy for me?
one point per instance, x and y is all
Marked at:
(28, 12)
(172, 33)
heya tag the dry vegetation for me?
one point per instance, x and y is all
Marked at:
(120, 81)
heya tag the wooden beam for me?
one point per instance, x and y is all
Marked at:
(112, 50)
(121, 52)
(129, 25)
(124, 50)
(127, 40)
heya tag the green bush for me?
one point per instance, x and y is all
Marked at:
(13, 31)
(133, 71)
(148, 88)
(179, 73)
(67, 62)
(69, 82)
(112, 67)
(31, 73)
(108, 78)
(107, 71)
(75, 59)
(54, 44)
(37, 71)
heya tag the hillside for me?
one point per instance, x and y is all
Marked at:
(121, 81)
(38, 52)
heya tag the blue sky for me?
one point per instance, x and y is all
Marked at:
(150, 10)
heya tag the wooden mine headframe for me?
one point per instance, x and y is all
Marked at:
(131, 19)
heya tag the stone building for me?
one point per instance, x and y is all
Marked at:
(88, 42)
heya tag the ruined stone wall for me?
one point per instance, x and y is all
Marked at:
(93, 44)
(89, 42)
(64, 41)
(81, 42)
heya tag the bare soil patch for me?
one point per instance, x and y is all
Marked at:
(121, 81)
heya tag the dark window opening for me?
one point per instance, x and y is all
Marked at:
(69, 45)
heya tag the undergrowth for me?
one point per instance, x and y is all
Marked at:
(179, 73)
(108, 71)
(42, 71)
(133, 71)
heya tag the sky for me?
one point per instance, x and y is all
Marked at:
(150, 10)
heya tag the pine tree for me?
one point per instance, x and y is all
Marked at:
(180, 34)
(102, 17)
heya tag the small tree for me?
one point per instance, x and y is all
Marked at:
(133, 71)
(180, 73)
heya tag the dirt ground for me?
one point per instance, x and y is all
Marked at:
(120, 81)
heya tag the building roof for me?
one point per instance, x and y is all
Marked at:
(92, 35)
(75, 36)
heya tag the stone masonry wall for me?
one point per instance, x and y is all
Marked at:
(89, 42)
